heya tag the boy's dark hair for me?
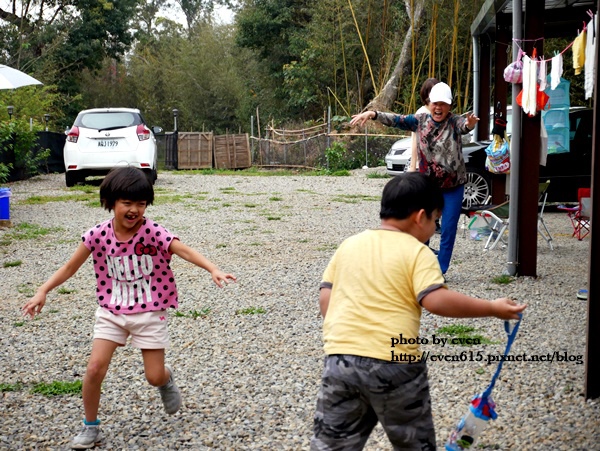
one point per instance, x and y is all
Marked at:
(426, 89)
(128, 183)
(410, 192)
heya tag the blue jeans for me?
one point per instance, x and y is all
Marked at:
(453, 198)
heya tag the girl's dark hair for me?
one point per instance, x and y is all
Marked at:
(426, 89)
(410, 192)
(127, 183)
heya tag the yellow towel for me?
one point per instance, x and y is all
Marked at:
(579, 52)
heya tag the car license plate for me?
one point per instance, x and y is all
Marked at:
(108, 143)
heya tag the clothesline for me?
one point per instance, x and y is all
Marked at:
(540, 59)
(517, 41)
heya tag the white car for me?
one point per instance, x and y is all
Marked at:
(103, 138)
(397, 159)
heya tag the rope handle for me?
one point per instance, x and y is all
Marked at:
(511, 334)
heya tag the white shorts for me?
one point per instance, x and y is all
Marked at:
(148, 330)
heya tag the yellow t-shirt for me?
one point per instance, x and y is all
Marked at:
(377, 279)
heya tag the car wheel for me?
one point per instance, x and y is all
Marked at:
(477, 188)
(71, 178)
(151, 175)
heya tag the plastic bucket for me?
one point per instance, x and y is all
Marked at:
(4, 204)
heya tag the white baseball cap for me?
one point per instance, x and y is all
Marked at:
(441, 93)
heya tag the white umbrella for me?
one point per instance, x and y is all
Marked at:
(12, 78)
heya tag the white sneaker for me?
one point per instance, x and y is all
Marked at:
(170, 394)
(89, 437)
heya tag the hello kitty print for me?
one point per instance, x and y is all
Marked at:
(133, 276)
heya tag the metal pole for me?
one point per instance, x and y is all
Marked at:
(515, 144)
(252, 137)
(366, 166)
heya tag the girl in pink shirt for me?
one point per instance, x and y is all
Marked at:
(135, 289)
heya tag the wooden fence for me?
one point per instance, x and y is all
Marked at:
(200, 150)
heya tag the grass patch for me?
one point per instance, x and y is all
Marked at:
(19, 324)
(250, 311)
(355, 198)
(11, 387)
(504, 279)
(202, 313)
(88, 189)
(221, 246)
(194, 314)
(12, 264)
(275, 198)
(172, 199)
(26, 288)
(57, 388)
(327, 247)
(250, 205)
(462, 332)
(377, 175)
(26, 231)
(273, 218)
(76, 197)
(64, 290)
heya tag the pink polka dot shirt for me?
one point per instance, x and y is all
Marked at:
(133, 276)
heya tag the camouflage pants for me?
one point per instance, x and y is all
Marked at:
(357, 392)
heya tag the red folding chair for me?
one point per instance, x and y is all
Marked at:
(580, 215)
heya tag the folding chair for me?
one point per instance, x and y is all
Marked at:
(497, 219)
(580, 215)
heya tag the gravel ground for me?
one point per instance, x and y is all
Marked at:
(250, 380)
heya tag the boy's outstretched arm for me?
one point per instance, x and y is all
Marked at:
(36, 303)
(445, 302)
(195, 257)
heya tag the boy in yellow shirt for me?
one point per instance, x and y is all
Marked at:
(371, 297)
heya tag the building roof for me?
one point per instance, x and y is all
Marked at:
(562, 18)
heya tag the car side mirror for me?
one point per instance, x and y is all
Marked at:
(157, 130)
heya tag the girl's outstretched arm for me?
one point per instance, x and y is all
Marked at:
(36, 303)
(195, 257)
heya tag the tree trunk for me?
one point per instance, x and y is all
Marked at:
(387, 96)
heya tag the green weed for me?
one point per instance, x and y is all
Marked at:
(377, 175)
(202, 313)
(40, 200)
(12, 264)
(11, 387)
(503, 279)
(26, 288)
(27, 231)
(355, 198)
(463, 332)
(250, 311)
(64, 290)
(57, 388)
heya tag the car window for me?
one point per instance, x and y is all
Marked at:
(107, 120)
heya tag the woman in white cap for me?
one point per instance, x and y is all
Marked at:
(439, 146)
